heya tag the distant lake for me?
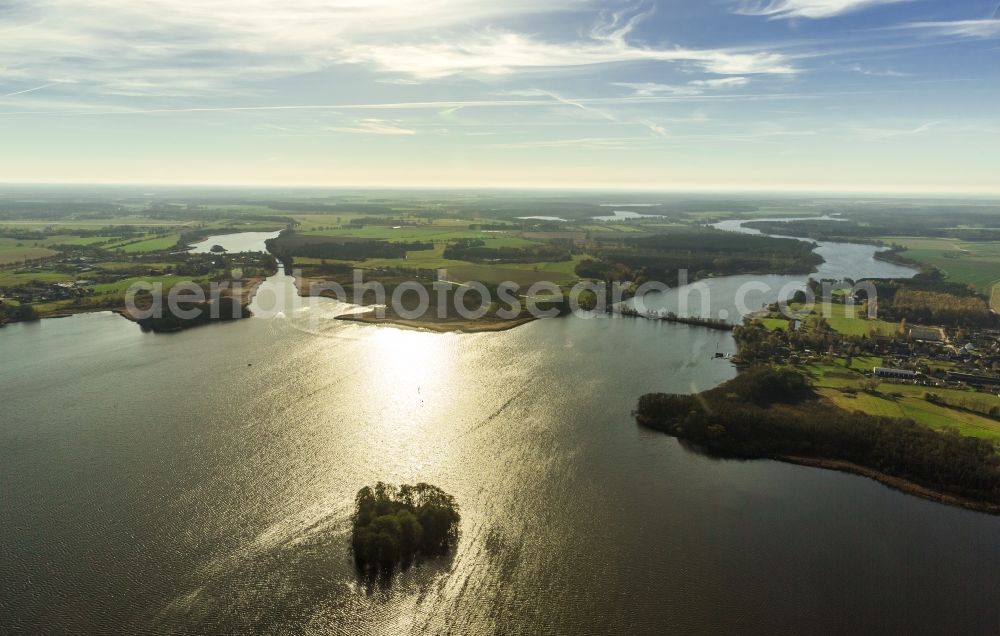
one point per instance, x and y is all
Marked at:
(625, 215)
(841, 260)
(236, 242)
(202, 482)
(543, 218)
(631, 205)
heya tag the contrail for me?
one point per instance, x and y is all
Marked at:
(27, 90)
(996, 12)
(583, 102)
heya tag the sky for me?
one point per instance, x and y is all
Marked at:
(754, 95)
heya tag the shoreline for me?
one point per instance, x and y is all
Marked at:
(465, 326)
(303, 283)
(896, 483)
(246, 296)
(899, 484)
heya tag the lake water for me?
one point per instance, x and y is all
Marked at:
(625, 215)
(841, 260)
(236, 242)
(202, 482)
(542, 218)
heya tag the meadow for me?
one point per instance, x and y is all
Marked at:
(844, 319)
(962, 409)
(975, 263)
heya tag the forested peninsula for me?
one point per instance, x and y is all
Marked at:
(768, 412)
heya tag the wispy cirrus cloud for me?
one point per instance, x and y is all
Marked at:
(813, 9)
(872, 132)
(172, 48)
(189, 48)
(988, 28)
(590, 143)
(694, 87)
(495, 52)
(877, 72)
(374, 127)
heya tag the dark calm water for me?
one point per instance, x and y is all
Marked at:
(202, 482)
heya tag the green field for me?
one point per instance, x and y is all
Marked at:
(841, 320)
(153, 244)
(10, 279)
(560, 272)
(846, 319)
(91, 224)
(16, 251)
(845, 387)
(972, 263)
(436, 232)
(439, 232)
(772, 324)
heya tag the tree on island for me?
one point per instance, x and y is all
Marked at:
(394, 525)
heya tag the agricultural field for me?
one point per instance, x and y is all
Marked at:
(971, 262)
(853, 321)
(559, 272)
(965, 410)
(11, 278)
(71, 223)
(845, 319)
(17, 251)
(154, 244)
(14, 250)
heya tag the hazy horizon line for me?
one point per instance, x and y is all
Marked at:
(734, 189)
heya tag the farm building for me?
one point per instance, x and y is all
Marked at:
(896, 374)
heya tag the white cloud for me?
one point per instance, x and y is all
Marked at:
(721, 82)
(122, 55)
(591, 143)
(648, 89)
(874, 72)
(534, 92)
(374, 127)
(962, 28)
(695, 87)
(186, 47)
(871, 132)
(656, 128)
(501, 52)
(787, 9)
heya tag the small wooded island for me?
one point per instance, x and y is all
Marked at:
(774, 413)
(393, 525)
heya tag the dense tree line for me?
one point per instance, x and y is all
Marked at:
(865, 223)
(700, 252)
(715, 241)
(225, 308)
(929, 300)
(320, 208)
(758, 344)
(16, 313)
(393, 525)
(49, 210)
(381, 221)
(930, 282)
(475, 250)
(603, 270)
(939, 309)
(290, 244)
(766, 412)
